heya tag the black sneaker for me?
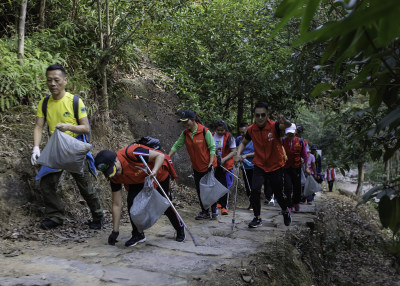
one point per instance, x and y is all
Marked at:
(135, 239)
(202, 215)
(49, 224)
(256, 222)
(287, 219)
(180, 235)
(96, 224)
(214, 212)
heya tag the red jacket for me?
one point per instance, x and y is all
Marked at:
(132, 175)
(198, 149)
(267, 147)
(225, 152)
(293, 150)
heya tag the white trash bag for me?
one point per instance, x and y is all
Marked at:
(64, 152)
(311, 186)
(147, 206)
(211, 190)
(303, 177)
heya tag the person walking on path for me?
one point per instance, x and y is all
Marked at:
(225, 150)
(318, 164)
(126, 167)
(295, 151)
(268, 160)
(58, 114)
(330, 176)
(201, 148)
(247, 157)
(312, 171)
(299, 133)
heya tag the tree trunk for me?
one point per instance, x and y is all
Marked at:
(396, 164)
(360, 179)
(108, 39)
(240, 106)
(387, 170)
(73, 13)
(104, 107)
(42, 11)
(21, 32)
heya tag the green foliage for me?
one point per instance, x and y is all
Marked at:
(220, 51)
(362, 46)
(361, 51)
(389, 203)
(22, 84)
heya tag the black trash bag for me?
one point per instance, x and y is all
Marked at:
(147, 206)
(149, 142)
(64, 152)
(211, 190)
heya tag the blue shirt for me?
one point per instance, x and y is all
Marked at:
(248, 149)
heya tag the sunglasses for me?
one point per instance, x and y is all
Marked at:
(261, 115)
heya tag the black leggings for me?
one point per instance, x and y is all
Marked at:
(276, 181)
(292, 185)
(135, 189)
(330, 184)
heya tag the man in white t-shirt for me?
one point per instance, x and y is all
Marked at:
(225, 150)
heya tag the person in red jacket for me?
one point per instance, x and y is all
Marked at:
(200, 145)
(295, 152)
(330, 176)
(225, 150)
(268, 160)
(122, 168)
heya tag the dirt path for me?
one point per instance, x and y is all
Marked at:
(159, 261)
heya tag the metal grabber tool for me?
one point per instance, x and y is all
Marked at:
(173, 207)
(234, 204)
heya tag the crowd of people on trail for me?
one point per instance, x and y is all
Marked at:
(271, 154)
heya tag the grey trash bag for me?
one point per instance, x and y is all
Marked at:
(64, 152)
(147, 206)
(303, 177)
(311, 186)
(211, 190)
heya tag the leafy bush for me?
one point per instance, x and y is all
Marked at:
(20, 84)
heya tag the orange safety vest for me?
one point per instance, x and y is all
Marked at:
(225, 152)
(132, 175)
(331, 176)
(198, 149)
(267, 147)
(293, 150)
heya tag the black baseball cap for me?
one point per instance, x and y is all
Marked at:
(105, 162)
(314, 147)
(300, 128)
(186, 115)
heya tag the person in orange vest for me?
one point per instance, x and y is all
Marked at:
(330, 176)
(122, 168)
(268, 160)
(225, 150)
(200, 145)
(295, 151)
(299, 133)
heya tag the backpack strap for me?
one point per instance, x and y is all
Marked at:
(75, 106)
(302, 144)
(127, 154)
(44, 106)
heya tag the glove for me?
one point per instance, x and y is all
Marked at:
(218, 161)
(35, 155)
(112, 239)
(210, 169)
